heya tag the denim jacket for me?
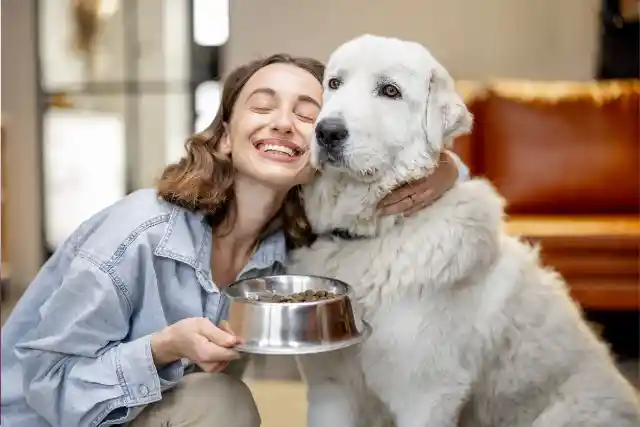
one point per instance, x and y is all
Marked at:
(76, 349)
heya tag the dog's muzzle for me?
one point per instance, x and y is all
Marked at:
(331, 135)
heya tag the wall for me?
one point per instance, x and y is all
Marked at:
(474, 39)
(22, 174)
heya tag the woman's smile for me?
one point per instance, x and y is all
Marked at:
(279, 150)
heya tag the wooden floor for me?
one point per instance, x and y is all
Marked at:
(281, 403)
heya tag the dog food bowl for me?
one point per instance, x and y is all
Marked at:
(291, 328)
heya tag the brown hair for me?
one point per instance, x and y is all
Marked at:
(202, 180)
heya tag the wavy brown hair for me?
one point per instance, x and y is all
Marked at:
(202, 180)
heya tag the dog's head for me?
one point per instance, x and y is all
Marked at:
(389, 110)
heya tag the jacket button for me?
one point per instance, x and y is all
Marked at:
(144, 390)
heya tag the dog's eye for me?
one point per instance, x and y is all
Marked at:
(334, 83)
(390, 91)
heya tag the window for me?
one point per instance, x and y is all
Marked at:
(84, 167)
(109, 129)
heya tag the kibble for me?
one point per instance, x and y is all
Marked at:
(306, 296)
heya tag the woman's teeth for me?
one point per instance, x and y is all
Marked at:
(279, 148)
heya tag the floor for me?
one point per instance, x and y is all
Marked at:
(281, 403)
(278, 390)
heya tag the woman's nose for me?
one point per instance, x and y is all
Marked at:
(283, 123)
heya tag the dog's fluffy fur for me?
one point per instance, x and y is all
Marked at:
(469, 329)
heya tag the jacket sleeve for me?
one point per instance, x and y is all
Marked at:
(463, 170)
(78, 367)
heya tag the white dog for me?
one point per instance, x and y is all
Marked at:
(468, 328)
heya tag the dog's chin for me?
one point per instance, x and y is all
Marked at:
(322, 160)
(366, 175)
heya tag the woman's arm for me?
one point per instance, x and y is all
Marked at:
(417, 195)
(463, 170)
(77, 371)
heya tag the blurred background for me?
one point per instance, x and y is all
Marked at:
(98, 95)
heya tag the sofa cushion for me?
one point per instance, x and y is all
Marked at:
(563, 148)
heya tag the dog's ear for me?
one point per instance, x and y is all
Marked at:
(446, 114)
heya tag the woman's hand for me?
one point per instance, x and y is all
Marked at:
(197, 339)
(414, 196)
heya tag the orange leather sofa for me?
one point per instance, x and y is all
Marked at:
(566, 156)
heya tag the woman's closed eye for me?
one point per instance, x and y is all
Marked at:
(306, 117)
(262, 109)
(307, 113)
(262, 102)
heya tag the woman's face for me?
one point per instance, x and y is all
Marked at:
(271, 126)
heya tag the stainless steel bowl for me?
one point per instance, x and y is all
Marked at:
(291, 328)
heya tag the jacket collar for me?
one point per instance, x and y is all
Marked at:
(187, 239)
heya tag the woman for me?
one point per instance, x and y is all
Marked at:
(109, 324)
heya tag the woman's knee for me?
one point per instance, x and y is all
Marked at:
(203, 399)
(220, 387)
(228, 398)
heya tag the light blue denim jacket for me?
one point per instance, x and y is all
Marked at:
(81, 331)
(76, 349)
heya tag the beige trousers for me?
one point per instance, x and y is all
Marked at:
(203, 400)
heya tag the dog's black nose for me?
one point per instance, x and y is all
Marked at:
(331, 132)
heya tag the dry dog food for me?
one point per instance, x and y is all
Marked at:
(306, 296)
